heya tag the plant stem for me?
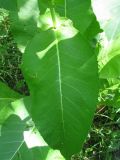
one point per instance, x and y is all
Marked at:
(52, 10)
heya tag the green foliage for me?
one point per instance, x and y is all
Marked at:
(7, 96)
(74, 10)
(8, 5)
(43, 153)
(59, 63)
(10, 57)
(64, 71)
(109, 56)
(11, 137)
(24, 22)
(103, 140)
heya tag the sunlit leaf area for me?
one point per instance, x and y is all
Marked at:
(59, 79)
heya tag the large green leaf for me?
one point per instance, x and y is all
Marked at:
(61, 71)
(16, 132)
(34, 147)
(7, 96)
(11, 137)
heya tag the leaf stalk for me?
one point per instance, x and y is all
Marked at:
(52, 11)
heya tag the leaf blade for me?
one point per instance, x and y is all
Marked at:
(75, 61)
(11, 138)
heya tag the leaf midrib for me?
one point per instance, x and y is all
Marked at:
(53, 17)
(60, 83)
